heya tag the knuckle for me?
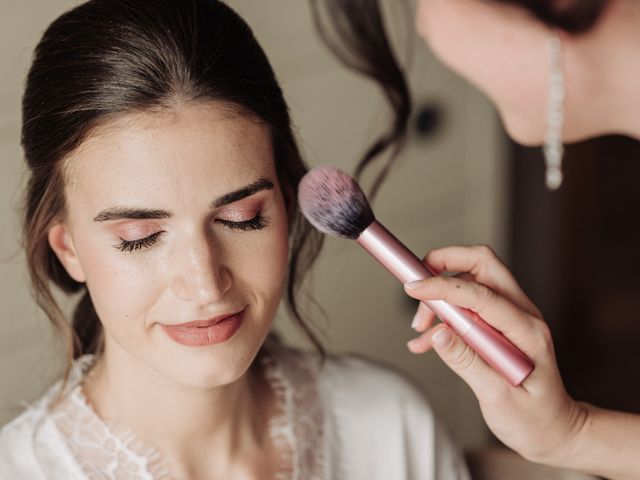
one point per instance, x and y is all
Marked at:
(462, 357)
(484, 297)
(486, 251)
(544, 334)
(539, 337)
(429, 256)
(533, 311)
(433, 260)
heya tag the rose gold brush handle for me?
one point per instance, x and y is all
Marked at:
(488, 342)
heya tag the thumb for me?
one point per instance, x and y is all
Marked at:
(464, 361)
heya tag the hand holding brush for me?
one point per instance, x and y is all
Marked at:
(335, 204)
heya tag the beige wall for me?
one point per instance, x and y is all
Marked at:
(447, 190)
(28, 357)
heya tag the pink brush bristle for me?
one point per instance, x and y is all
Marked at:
(334, 203)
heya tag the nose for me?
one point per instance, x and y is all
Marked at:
(200, 274)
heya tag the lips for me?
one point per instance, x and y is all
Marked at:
(205, 323)
(199, 333)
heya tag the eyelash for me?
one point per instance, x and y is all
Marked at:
(256, 223)
(129, 246)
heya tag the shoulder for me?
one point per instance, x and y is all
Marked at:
(351, 379)
(356, 379)
(377, 424)
(385, 423)
(32, 447)
(17, 455)
(362, 395)
(21, 426)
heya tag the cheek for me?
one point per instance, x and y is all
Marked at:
(449, 32)
(121, 285)
(266, 263)
(258, 262)
(453, 36)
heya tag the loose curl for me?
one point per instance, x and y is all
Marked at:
(355, 31)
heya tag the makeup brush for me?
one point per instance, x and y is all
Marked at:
(335, 204)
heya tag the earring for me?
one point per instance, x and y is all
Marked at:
(553, 148)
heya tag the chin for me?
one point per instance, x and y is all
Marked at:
(531, 134)
(210, 367)
(524, 131)
(217, 372)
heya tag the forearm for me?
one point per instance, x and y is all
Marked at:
(607, 444)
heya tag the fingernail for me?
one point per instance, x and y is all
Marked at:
(412, 285)
(442, 338)
(417, 321)
(411, 344)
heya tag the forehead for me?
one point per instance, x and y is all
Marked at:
(187, 147)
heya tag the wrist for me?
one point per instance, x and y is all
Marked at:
(568, 446)
(605, 443)
(575, 449)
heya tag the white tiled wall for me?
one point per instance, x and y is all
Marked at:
(447, 190)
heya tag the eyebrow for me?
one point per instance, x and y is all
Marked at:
(255, 187)
(120, 213)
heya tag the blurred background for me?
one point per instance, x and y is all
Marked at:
(459, 181)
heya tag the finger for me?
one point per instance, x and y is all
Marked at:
(423, 318)
(465, 362)
(515, 324)
(421, 344)
(479, 260)
(485, 267)
(465, 276)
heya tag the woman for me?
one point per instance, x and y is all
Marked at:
(163, 177)
(555, 70)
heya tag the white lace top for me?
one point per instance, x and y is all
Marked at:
(344, 419)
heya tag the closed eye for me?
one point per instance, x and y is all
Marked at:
(256, 223)
(129, 246)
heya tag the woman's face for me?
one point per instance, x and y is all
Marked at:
(176, 217)
(500, 49)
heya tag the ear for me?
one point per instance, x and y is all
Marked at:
(62, 245)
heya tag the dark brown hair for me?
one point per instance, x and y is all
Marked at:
(575, 16)
(107, 58)
(355, 31)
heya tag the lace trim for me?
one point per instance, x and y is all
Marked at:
(109, 451)
(298, 429)
(104, 450)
